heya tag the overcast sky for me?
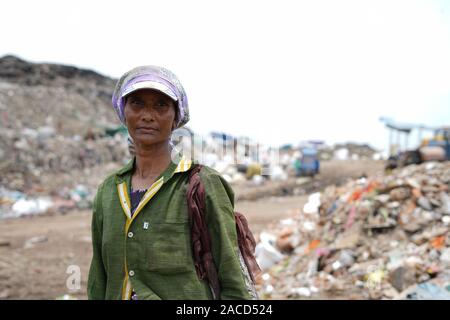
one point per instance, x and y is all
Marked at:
(276, 71)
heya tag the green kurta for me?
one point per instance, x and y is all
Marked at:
(150, 252)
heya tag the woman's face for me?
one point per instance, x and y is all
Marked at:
(150, 116)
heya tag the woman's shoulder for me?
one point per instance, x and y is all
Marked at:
(105, 186)
(208, 171)
(214, 180)
(217, 189)
(211, 174)
(110, 181)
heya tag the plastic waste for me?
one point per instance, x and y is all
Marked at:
(428, 291)
(32, 206)
(266, 253)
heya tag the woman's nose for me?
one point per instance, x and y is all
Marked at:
(147, 114)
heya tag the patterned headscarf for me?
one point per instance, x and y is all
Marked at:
(153, 77)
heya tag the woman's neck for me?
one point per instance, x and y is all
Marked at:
(152, 160)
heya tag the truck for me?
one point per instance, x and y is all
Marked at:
(308, 163)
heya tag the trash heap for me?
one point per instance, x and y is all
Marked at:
(382, 237)
(58, 137)
(348, 151)
(43, 171)
(31, 153)
(15, 204)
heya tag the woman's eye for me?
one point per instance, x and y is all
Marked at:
(162, 103)
(136, 102)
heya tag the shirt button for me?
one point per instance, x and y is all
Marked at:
(131, 273)
(130, 234)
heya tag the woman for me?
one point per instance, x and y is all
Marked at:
(140, 229)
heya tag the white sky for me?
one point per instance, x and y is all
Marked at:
(278, 71)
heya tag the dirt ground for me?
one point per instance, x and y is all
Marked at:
(62, 243)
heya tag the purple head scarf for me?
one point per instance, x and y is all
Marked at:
(153, 77)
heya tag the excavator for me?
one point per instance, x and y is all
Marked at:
(434, 148)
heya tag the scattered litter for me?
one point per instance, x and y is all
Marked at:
(30, 243)
(372, 238)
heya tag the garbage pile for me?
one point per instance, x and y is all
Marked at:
(355, 151)
(38, 169)
(58, 136)
(349, 151)
(237, 159)
(15, 204)
(382, 237)
(30, 153)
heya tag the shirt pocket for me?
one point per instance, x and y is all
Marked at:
(168, 249)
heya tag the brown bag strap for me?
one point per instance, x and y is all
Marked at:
(200, 238)
(247, 245)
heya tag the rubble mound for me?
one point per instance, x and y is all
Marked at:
(381, 237)
(54, 119)
(85, 82)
